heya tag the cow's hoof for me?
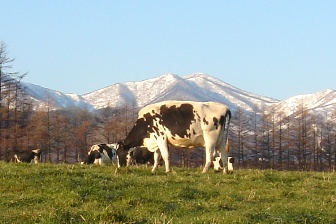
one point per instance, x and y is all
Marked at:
(205, 169)
(225, 171)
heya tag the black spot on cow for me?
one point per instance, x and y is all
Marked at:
(215, 120)
(222, 121)
(156, 130)
(139, 131)
(205, 121)
(177, 119)
(231, 160)
(198, 116)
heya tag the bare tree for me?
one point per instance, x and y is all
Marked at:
(10, 90)
(240, 132)
(82, 129)
(255, 124)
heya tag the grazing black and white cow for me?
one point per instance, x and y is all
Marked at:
(140, 156)
(185, 124)
(102, 154)
(218, 164)
(24, 156)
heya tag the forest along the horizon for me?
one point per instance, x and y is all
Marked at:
(259, 139)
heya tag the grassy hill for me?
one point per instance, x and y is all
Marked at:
(47, 193)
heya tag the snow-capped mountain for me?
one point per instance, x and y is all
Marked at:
(197, 87)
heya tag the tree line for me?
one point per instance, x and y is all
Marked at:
(263, 138)
(267, 138)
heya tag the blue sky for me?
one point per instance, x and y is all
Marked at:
(271, 48)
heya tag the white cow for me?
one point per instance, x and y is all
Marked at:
(185, 124)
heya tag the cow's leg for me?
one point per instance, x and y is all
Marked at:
(208, 158)
(156, 160)
(16, 159)
(118, 162)
(165, 157)
(163, 147)
(224, 152)
(209, 151)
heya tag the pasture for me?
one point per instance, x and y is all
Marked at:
(48, 193)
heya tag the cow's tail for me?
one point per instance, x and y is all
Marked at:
(227, 125)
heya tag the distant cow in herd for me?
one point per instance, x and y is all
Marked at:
(107, 153)
(102, 154)
(140, 156)
(184, 124)
(25, 156)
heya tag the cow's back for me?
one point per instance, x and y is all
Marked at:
(184, 109)
(185, 122)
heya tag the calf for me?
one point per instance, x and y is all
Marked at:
(140, 156)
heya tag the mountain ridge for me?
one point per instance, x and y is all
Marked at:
(196, 87)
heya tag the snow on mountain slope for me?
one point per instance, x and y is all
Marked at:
(226, 93)
(321, 102)
(198, 87)
(43, 97)
(133, 93)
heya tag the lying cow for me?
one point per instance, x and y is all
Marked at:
(218, 164)
(102, 154)
(140, 156)
(185, 124)
(24, 156)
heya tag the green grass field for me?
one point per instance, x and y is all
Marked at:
(47, 193)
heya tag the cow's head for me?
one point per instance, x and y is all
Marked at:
(122, 154)
(93, 154)
(36, 155)
(99, 154)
